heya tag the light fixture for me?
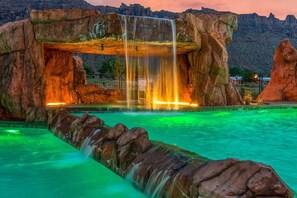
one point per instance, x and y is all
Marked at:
(12, 131)
(56, 104)
(176, 103)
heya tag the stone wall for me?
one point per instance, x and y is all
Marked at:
(283, 82)
(163, 170)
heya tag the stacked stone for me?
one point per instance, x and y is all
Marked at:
(162, 170)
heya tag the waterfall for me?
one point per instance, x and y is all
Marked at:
(153, 186)
(87, 148)
(132, 174)
(156, 183)
(151, 70)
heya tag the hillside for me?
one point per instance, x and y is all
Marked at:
(257, 37)
(252, 47)
(11, 10)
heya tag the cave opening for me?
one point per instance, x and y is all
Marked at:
(95, 72)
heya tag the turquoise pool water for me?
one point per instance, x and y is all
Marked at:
(34, 163)
(268, 136)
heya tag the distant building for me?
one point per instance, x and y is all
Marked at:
(236, 80)
(265, 80)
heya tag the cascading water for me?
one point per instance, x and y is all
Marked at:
(87, 148)
(151, 70)
(156, 183)
(153, 186)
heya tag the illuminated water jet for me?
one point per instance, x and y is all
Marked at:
(150, 78)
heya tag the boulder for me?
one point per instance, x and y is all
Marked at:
(35, 114)
(282, 85)
(94, 94)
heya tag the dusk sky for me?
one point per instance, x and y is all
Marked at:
(280, 8)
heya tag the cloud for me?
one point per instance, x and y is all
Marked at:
(280, 8)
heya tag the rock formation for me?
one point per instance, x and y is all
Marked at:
(283, 83)
(206, 70)
(21, 70)
(162, 170)
(37, 66)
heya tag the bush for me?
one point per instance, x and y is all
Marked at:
(246, 74)
(247, 98)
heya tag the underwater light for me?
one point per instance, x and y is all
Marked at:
(12, 131)
(175, 103)
(56, 103)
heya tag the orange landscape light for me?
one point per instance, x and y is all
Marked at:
(56, 104)
(175, 103)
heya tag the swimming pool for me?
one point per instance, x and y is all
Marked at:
(268, 136)
(34, 163)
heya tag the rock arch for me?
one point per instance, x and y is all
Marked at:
(29, 46)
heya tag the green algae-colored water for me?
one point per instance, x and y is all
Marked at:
(268, 136)
(34, 163)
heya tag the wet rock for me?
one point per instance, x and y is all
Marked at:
(60, 124)
(231, 181)
(76, 128)
(116, 131)
(35, 114)
(130, 145)
(212, 169)
(109, 155)
(266, 182)
(91, 124)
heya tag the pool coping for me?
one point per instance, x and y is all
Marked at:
(201, 109)
(93, 110)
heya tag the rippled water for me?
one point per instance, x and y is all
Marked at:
(34, 163)
(268, 136)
